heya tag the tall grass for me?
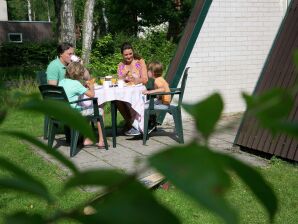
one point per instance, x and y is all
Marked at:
(16, 88)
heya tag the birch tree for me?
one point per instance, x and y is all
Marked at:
(87, 30)
(29, 10)
(105, 18)
(67, 27)
(48, 11)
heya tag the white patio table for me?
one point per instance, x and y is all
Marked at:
(130, 94)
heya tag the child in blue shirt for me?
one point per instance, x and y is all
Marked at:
(74, 89)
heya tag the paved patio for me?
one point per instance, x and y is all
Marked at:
(130, 154)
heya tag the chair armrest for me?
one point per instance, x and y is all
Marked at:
(175, 89)
(154, 95)
(81, 100)
(164, 93)
(94, 103)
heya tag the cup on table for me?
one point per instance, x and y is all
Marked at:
(106, 84)
(121, 83)
(74, 58)
(101, 80)
(114, 80)
(108, 79)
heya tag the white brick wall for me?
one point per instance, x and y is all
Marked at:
(3, 10)
(231, 49)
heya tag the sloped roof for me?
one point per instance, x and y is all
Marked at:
(278, 71)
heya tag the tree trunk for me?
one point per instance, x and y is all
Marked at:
(58, 4)
(48, 11)
(87, 30)
(67, 31)
(175, 25)
(105, 18)
(29, 10)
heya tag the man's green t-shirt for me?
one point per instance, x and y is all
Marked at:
(56, 70)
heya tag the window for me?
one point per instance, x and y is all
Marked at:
(15, 37)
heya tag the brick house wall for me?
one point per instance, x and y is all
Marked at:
(232, 48)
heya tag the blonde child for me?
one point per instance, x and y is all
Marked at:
(74, 89)
(155, 70)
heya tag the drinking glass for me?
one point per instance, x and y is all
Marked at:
(114, 80)
(101, 80)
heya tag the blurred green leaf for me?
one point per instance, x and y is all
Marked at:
(62, 112)
(56, 154)
(296, 58)
(289, 127)
(200, 173)
(23, 218)
(271, 107)
(206, 113)
(3, 114)
(255, 182)
(131, 203)
(96, 178)
(24, 181)
(273, 104)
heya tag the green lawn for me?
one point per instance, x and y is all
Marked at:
(282, 176)
(21, 154)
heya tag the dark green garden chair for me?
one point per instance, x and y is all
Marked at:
(57, 93)
(174, 110)
(41, 78)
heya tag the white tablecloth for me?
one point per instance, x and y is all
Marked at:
(130, 94)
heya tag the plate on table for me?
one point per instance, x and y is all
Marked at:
(98, 86)
(129, 84)
(132, 84)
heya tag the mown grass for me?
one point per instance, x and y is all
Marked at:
(20, 153)
(282, 176)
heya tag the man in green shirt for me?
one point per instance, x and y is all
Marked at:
(57, 68)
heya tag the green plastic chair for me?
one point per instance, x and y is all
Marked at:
(57, 93)
(41, 78)
(174, 110)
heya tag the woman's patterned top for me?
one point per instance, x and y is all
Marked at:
(136, 71)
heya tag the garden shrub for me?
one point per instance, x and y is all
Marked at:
(106, 55)
(27, 58)
(27, 53)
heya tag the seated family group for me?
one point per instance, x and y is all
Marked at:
(76, 81)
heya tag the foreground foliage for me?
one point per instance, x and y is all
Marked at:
(196, 170)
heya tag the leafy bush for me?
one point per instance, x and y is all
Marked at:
(106, 53)
(14, 73)
(104, 59)
(27, 58)
(27, 53)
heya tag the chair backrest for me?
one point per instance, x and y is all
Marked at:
(182, 87)
(53, 92)
(41, 77)
(162, 115)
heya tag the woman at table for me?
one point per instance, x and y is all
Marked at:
(132, 69)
